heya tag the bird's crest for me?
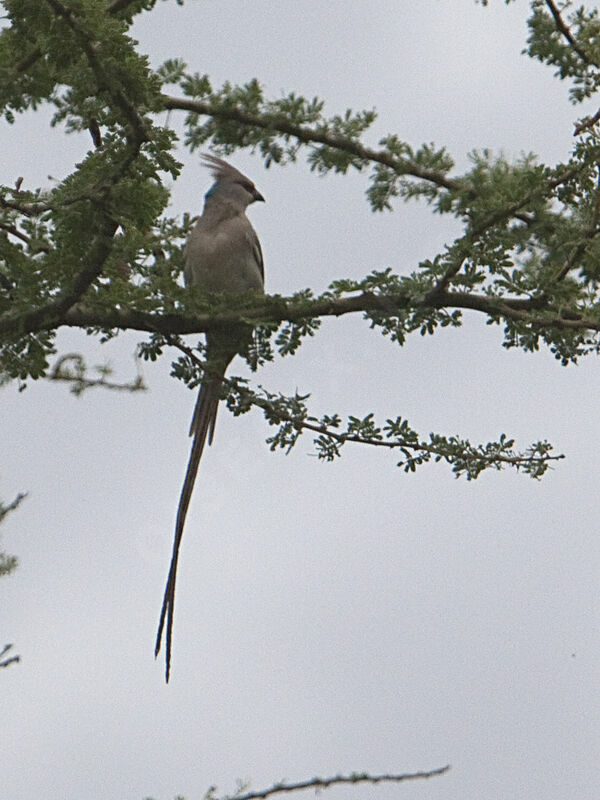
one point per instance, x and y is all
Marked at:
(220, 169)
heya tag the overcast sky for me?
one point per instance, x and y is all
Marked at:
(329, 618)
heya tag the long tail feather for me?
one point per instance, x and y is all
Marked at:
(203, 425)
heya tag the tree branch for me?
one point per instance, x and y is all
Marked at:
(5, 662)
(72, 369)
(586, 123)
(516, 309)
(31, 58)
(324, 783)
(292, 413)
(14, 231)
(309, 135)
(52, 313)
(4, 510)
(104, 81)
(564, 29)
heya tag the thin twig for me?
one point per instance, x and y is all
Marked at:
(4, 510)
(301, 423)
(4, 662)
(62, 372)
(357, 777)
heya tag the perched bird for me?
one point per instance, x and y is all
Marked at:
(222, 254)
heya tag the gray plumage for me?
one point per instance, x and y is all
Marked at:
(222, 254)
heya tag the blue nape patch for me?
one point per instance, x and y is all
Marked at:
(211, 191)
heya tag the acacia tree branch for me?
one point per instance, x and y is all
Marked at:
(309, 135)
(401, 166)
(51, 313)
(104, 81)
(72, 369)
(563, 28)
(63, 312)
(590, 234)
(420, 446)
(324, 783)
(405, 443)
(587, 123)
(516, 309)
(30, 59)
(280, 310)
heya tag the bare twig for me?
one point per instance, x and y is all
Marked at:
(4, 510)
(324, 783)
(4, 662)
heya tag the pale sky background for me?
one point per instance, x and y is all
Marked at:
(329, 618)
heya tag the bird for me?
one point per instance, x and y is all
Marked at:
(222, 254)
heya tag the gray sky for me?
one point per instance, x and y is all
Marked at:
(329, 618)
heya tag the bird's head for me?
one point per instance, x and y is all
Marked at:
(230, 185)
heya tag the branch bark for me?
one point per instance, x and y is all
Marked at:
(280, 310)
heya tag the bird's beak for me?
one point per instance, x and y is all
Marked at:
(258, 196)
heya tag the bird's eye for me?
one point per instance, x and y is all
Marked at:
(249, 187)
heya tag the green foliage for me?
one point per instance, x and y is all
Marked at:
(291, 417)
(96, 249)
(575, 54)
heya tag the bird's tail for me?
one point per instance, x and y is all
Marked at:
(203, 426)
